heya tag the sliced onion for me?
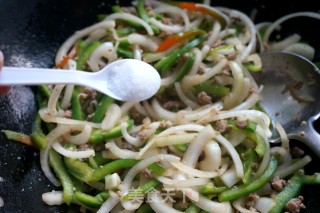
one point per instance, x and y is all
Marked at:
(72, 154)
(239, 203)
(45, 116)
(213, 158)
(136, 141)
(65, 102)
(184, 98)
(213, 206)
(44, 153)
(111, 117)
(120, 153)
(293, 167)
(127, 16)
(53, 198)
(199, 173)
(52, 102)
(302, 49)
(142, 165)
(233, 153)
(162, 112)
(109, 203)
(135, 170)
(191, 156)
(162, 141)
(191, 182)
(105, 50)
(66, 46)
(158, 205)
(179, 128)
(264, 204)
(191, 80)
(142, 41)
(80, 138)
(230, 177)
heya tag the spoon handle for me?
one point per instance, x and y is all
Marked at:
(37, 76)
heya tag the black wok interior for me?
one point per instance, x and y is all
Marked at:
(30, 34)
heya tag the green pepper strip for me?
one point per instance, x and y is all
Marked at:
(124, 52)
(112, 167)
(44, 89)
(145, 188)
(125, 32)
(38, 138)
(192, 209)
(98, 136)
(253, 68)
(117, 9)
(80, 170)
(102, 109)
(167, 62)
(290, 191)
(18, 137)
(156, 169)
(59, 168)
(252, 135)
(88, 200)
(210, 189)
(249, 158)
(186, 67)
(214, 90)
(244, 190)
(77, 112)
(144, 16)
(181, 147)
(145, 208)
(312, 179)
(102, 196)
(99, 159)
(42, 101)
(93, 163)
(78, 185)
(85, 54)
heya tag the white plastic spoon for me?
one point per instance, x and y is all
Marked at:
(124, 80)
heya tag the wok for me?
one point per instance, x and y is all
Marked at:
(30, 34)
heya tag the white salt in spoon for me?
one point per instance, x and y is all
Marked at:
(124, 80)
